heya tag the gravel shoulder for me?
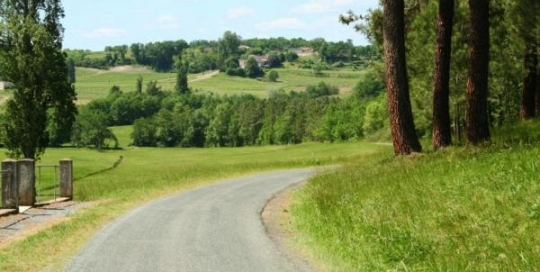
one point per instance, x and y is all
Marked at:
(277, 221)
(16, 227)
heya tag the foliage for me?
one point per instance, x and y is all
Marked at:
(91, 129)
(369, 87)
(273, 76)
(252, 69)
(322, 89)
(32, 60)
(182, 79)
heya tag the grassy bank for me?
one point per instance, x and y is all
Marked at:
(148, 173)
(455, 210)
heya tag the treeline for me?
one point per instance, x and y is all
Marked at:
(225, 53)
(463, 66)
(167, 119)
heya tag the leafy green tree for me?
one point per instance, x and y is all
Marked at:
(152, 88)
(91, 129)
(369, 87)
(228, 46)
(216, 132)
(273, 76)
(252, 68)
(31, 58)
(139, 84)
(137, 50)
(321, 89)
(291, 56)
(274, 61)
(181, 86)
(144, 133)
(375, 117)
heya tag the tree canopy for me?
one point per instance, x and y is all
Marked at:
(31, 58)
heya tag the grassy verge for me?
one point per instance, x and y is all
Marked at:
(145, 174)
(454, 210)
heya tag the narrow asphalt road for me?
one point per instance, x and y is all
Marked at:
(213, 228)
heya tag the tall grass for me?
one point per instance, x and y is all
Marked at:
(454, 210)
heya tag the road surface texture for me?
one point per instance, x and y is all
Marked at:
(213, 228)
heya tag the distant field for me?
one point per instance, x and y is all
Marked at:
(93, 83)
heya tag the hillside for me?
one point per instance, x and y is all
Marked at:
(95, 83)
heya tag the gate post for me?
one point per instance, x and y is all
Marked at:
(27, 182)
(10, 188)
(66, 178)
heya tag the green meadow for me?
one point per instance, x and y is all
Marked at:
(459, 209)
(94, 83)
(144, 174)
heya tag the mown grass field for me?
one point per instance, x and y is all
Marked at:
(149, 173)
(460, 209)
(93, 83)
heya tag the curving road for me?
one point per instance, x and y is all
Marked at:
(213, 228)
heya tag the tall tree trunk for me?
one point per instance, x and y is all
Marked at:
(404, 135)
(477, 84)
(442, 133)
(528, 99)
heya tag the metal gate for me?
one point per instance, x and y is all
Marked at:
(47, 183)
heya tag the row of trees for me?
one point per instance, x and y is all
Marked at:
(202, 55)
(167, 119)
(452, 46)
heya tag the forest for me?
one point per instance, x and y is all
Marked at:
(465, 66)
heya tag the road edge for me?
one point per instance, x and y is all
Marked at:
(276, 220)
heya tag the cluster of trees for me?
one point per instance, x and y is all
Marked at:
(477, 59)
(224, 54)
(169, 119)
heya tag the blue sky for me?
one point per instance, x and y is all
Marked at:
(97, 23)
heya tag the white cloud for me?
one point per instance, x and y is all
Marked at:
(321, 6)
(283, 23)
(167, 22)
(234, 13)
(106, 33)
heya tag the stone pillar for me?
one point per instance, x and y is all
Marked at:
(66, 178)
(27, 182)
(10, 188)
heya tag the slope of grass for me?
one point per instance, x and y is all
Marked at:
(93, 83)
(454, 210)
(144, 174)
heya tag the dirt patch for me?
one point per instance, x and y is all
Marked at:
(277, 221)
(205, 75)
(14, 228)
(130, 68)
